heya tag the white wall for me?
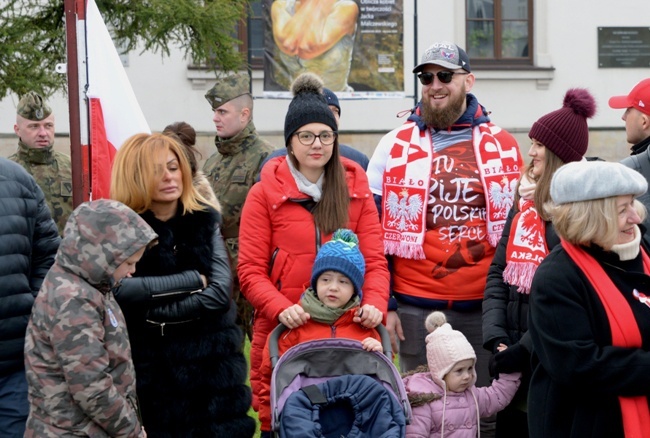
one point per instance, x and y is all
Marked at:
(565, 39)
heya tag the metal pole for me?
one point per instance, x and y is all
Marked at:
(249, 57)
(415, 51)
(75, 9)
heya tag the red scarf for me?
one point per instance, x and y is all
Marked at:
(407, 177)
(625, 332)
(526, 246)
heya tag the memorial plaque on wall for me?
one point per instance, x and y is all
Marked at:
(623, 47)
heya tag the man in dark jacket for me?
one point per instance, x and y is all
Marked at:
(637, 128)
(28, 242)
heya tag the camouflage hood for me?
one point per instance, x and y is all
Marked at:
(99, 236)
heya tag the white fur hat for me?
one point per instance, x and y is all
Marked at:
(587, 180)
(445, 347)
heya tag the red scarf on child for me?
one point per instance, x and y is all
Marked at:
(625, 331)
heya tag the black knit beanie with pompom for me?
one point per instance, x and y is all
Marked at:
(308, 106)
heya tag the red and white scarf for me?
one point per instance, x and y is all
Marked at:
(407, 177)
(625, 331)
(527, 241)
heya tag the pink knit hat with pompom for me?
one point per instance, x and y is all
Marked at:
(445, 347)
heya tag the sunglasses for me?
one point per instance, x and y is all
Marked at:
(426, 78)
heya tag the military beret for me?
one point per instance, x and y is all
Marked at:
(32, 107)
(588, 180)
(227, 89)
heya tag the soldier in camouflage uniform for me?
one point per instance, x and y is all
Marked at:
(77, 353)
(51, 169)
(234, 168)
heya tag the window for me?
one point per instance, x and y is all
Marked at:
(499, 32)
(251, 34)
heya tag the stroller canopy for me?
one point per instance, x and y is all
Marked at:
(345, 406)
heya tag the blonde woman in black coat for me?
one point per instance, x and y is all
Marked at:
(589, 310)
(186, 346)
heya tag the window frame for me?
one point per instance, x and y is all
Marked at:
(498, 61)
(243, 35)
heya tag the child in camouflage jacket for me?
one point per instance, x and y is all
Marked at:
(77, 352)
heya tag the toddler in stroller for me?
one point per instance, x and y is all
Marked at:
(333, 379)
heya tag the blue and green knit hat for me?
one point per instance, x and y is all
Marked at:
(341, 254)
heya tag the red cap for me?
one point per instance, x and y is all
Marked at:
(638, 98)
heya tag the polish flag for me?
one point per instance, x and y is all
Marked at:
(115, 114)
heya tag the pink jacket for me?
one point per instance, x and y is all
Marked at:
(456, 414)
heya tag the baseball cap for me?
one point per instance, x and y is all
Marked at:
(638, 98)
(444, 54)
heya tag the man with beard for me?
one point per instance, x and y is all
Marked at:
(444, 182)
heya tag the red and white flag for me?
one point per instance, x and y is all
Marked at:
(115, 114)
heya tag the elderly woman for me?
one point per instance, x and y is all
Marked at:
(589, 316)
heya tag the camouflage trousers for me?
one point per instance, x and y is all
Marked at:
(244, 311)
(244, 308)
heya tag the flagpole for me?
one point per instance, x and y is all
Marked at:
(77, 105)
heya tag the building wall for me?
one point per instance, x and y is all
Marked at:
(565, 40)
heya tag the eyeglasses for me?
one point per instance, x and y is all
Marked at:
(426, 78)
(308, 138)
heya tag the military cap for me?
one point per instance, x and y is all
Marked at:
(227, 89)
(32, 107)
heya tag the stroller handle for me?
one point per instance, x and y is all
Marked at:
(281, 328)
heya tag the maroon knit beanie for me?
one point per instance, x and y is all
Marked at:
(565, 131)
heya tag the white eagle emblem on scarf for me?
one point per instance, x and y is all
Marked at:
(501, 195)
(403, 211)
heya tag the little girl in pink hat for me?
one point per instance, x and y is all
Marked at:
(444, 398)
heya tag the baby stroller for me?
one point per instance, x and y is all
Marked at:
(334, 388)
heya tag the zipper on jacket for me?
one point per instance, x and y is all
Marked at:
(163, 324)
(178, 292)
(278, 284)
(333, 331)
(272, 262)
(318, 239)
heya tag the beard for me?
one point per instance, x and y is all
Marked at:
(441, 118)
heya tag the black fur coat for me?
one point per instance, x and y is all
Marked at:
(190, 375)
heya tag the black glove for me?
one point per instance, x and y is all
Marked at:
(513, 359)
(498, 342)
